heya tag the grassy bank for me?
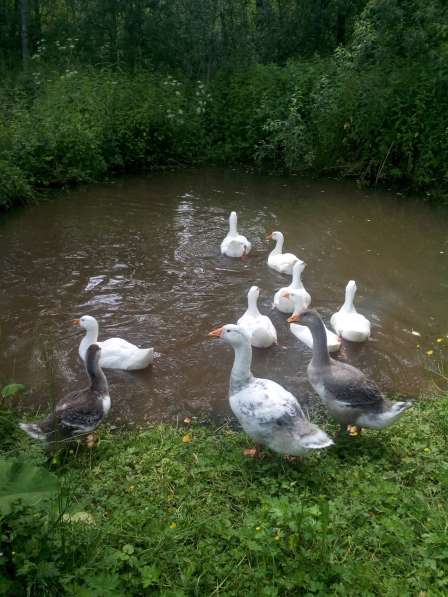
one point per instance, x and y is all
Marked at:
(182, 512)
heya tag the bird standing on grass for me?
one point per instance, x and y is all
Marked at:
(351, 398)
(268, 413)
(78, 413)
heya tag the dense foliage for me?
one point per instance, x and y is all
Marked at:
(195, 37)
(352, 87)
(183, 512)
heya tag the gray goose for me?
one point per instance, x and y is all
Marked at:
(79, 412)
(351, 398)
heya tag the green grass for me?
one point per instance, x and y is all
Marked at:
(157, 515)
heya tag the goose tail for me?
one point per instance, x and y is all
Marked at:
(317, 440)
(401, 407)
(147, 357)
(34, 431)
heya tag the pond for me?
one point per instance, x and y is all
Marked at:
(141, 254)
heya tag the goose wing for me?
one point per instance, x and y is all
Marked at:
(350, 386)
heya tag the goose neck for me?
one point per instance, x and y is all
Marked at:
(278, 249)
(296, 282)
(241, 372)
(90, 337)
(233, 224)
(252, 304)
(320, 348)
(98, 381)
(348, 305)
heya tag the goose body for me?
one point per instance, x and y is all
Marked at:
(116, 353)
(268, 413)
(259, 327)
(79, 412)
(234, 244)
(281, 262)
(283, 299)
(350, 396)
(347, 322)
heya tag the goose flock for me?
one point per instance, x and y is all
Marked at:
(269, 414)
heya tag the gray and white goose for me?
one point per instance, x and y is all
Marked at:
(79, 412)
(268, 413)
(351, 397)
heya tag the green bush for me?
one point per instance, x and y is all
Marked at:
(76, 126)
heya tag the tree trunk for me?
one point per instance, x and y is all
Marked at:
(24, 32)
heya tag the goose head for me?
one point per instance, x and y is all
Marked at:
(93, 356)
(308, 317)
(231, 334)
(298, 267)
(350, 289)
(276, 235)
(86, 322)
(93, 352)
(294, 296)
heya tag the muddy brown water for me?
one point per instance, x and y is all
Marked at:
(141, 254)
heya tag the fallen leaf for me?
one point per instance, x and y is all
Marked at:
(187, 420)
(187, 438)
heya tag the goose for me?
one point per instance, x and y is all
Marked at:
(281, 262)
(259, 327)
(234, 244)
(302, 332)
(268, 413)
(351, 398)
(347, 322)
(116, 353)
(79, 412)
(285, 303)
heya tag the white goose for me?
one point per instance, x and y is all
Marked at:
(234, 244)
(115, 352)
(302, 332)
(347, 322)
(281, 262)
(285, 303)
(268, 413)
(260, 328)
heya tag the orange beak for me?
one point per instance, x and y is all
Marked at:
(216, 333)
(269, 236)
(293, 318)
(76, 322)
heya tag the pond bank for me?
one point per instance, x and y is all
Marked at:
(183, 512)
(307, 116)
